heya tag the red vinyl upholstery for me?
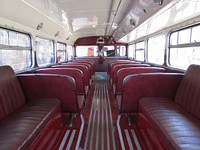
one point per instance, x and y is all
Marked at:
(61, 86)
(20, 129)
(11, 97)
(188, 94)
(73, 72)
(168, 109)
(111, 65)
(84, 64)
(124, 72)
(84, 69)
(142, 85)
(113, 74)
(176, 128)
(23, 121)
(90, 62)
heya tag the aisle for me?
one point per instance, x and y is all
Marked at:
(100, 131)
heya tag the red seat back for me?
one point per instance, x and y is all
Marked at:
(84, 64)
(62, 87)
(124, 72)
(91, 63)
(83, 68)
(112, 65)
(11, 94)
(118, 67)
(188, 93)
(75, 73)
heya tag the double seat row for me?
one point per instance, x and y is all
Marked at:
(32, 105)
(80, 72)
(166, 107)
(119, 70)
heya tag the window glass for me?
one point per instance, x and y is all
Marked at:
(175, 12)
(17, 59)
(70, 52)
(195, 34)
(139, 51)
(183, 57)
(156, 49)
(44, 51)
(139, 55)
(184, 36)
(131, 51)
(109, 51)
(15, 49)
(121, 50)
(174, 38)
(86, 51)
(23, 40)
(12, 38)
(61, 53)
(3, 37)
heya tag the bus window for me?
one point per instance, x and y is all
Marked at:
(195, 34)
(131, 51)
(108, 51)
(187, 49)
(156, 50)
(15, 49)
(60, 53)
(70, 52)
(121, 50)
(86, 51)
(44, 51)
(139, 51)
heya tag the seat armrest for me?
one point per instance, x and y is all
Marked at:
(142, 85)
(39, 86)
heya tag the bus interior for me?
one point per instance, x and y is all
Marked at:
(100, 75)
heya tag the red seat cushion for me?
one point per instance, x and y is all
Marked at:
(177, 128)
(19, 130)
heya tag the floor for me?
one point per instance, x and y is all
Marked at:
(101, 130)
(101, 76)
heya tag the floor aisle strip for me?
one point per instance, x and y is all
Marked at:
(94, 119)
(111, 122)
(64, 140)
(128, 140)
(102, 127)
(136, 140)
(80, 132)
(106, 119)
(90, 119)
(71, 140)
(100, 121)
(120, 133)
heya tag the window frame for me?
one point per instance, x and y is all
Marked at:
(17, 47)
(164, 48)
(133, 49)
(58, 50)
(140, 49)
(37, 55)
(69, 56)
(179, 46)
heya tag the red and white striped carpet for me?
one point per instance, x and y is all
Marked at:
(100, 131)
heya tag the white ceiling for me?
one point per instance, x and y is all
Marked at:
(81, 18)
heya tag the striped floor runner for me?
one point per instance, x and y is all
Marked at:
(100, 131)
